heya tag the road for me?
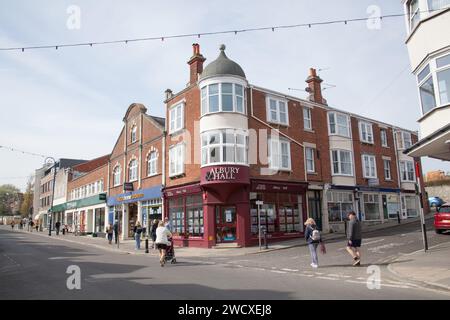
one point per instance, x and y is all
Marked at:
(34, 267)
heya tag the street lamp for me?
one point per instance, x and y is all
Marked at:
(47, 160)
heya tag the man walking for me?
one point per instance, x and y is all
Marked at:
(354, 238)
(116, 231)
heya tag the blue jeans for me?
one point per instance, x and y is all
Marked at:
(313, 250)
(137, 236)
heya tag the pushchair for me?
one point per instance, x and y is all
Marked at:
(170, 252)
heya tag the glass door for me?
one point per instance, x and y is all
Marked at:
(225, 224)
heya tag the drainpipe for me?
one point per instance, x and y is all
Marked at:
(163, 169)
(397, 164)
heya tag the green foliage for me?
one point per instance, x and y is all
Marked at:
(9, 195)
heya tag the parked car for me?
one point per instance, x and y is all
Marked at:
(442, 218)
(435, 202)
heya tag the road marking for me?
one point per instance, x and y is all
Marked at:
(327, 278)
(290, 270)
(277, 271)
(371, 242)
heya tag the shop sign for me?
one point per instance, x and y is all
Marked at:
(222, 173)
(277, 187)
(130, 197)
(128, 186)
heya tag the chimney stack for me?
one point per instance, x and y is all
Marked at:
(195, 63)
(314, 87)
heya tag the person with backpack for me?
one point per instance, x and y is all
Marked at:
(354, 238)
(313, 239)
(137, 235)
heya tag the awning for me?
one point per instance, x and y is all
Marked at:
(435, 145)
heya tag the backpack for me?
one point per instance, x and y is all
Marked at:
(139, 230)
(315, 236)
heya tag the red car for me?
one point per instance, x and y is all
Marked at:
(442, 218)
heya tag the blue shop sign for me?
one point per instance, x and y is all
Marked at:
(138, 195)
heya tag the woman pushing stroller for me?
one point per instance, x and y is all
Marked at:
(162, 241)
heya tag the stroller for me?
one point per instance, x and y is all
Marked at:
(170, 252)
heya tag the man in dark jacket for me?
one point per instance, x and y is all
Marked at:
(57, 226)
(354, 238)
(116, 230)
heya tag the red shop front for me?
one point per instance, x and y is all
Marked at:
(283, 211)
(212, 212)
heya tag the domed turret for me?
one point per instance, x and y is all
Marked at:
(222, 66)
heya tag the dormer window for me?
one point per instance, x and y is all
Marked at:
(133, 134)
(222, 97)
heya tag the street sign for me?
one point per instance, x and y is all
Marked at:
(259, 203)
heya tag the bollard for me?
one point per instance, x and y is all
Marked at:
(265, 240)
(146, 245)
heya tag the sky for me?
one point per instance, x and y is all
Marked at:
(70, 102)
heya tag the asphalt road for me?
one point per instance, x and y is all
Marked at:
(34, 267)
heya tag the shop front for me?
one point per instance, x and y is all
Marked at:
(221, 209)
(131, 207)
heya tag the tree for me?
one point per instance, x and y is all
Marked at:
(9, 199)
(27, 203)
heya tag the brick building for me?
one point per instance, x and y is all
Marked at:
(230, 143)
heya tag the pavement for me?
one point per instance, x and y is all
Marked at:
(430, 268)
(128, 246)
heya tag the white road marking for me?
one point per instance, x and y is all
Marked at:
(327, 278)
(290, 270)
(277, 271)
(371, 242)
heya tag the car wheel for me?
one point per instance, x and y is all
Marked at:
(439, 231)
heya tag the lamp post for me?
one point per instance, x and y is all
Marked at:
(53, 192)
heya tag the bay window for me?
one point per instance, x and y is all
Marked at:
(443, 78)
(338, 124)
(224, 146)
(414, 14)
(437, 4)
(222, 97)
(407, 171)
(342, 163)
(277, 111)
(279, 154)
(369, 166)
(365, 132)
(176, 120)
(176, 159)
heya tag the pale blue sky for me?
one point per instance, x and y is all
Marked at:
(70, 102)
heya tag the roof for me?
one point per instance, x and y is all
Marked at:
(222, 66)
(161, 121)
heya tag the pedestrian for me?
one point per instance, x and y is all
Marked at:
(168, 224)
(162, 241)
(12, 225)
(109, 232)
(57, 226)
(37, 226)
(354, 238)
(137, 235)
(313, 239)
(31, 225)
(116, 231)
(153, 232)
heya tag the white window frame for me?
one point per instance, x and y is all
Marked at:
(152, 164)
(339, 161)
(337, 125)
(371, 199)
(309, 158)
(405, 170)
(370, 161)
(307, 118)
(133, 170)
(383, 138)
(365, 128)
(276, 158)
(133, 134)
(387, 169)
(204, 100)
(278, 101)
(176, 159)
(173, 117)
(412, 14)
(205, 147)
(117, 171)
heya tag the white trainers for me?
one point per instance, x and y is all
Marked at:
(314, 265)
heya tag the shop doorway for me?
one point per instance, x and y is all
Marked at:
(226, 224)
(132, 218)
(315, 207)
